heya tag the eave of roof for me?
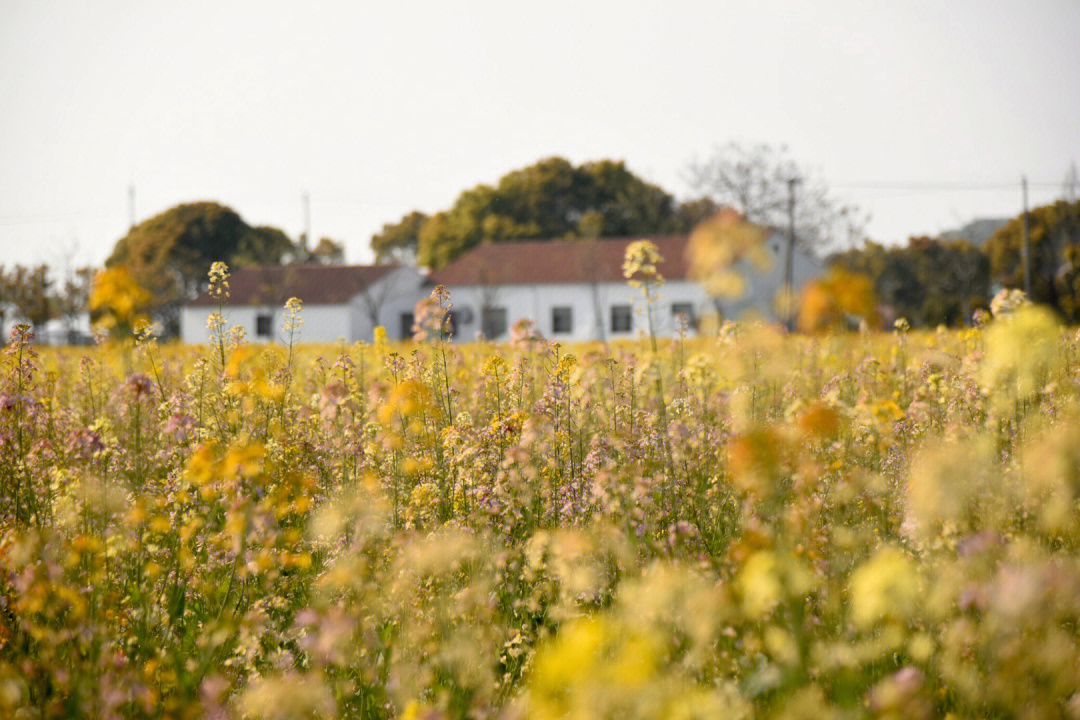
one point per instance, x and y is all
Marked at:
(314, 284)
(541, 262)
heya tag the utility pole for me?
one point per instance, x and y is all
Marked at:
(1027, 239)
(131, 206)
(789, 259)
(306, 238)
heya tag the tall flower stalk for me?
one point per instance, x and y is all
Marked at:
(639, 269)
(293, 323)
(215, 323)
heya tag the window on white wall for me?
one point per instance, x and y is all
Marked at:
(264, 325)
(687, 311)
(562, 320)
(457, 325)
(493, 322)
(406, 327)
(622, 318)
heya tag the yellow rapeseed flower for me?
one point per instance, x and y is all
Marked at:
(640, 261)
(759, 584)
(1021, 354)
(493, 366)
(886, 586)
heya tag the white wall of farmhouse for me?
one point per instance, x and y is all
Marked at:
(387, 299)
(591, 305)
(322, 323)
(561, 311)
(591, 314)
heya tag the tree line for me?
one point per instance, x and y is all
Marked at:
(942, 281)
(158, 265)
(930, 281)
(550, 199)
(30, 293)
(554, 199)
(162, 261)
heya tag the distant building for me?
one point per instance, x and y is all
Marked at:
(976, 232)
(57, 331)
(7, 315)
(341, 302)
(67, 331)
(574, 290)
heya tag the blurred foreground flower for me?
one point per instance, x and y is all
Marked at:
(884, 587)
(1021, 354)
(723, 249)
(118, 300)
(1008, 301)
(834, 300)
(601, 668)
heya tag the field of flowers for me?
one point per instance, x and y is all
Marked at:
(747, 525)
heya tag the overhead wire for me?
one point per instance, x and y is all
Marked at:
(898, 189)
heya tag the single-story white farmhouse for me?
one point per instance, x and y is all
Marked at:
(341, 302)
(574, 290)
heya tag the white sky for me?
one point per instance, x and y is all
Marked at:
(379, 108)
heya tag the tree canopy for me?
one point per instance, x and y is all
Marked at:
(929, 282)
(29, 290)
(327, 252)
(1054, 233)
(397, 242)
(169, 254)
(550, 199)
(36, 297)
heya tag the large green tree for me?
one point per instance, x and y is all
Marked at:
(29, 291)
(397, 242)
(72, 298)
(1054, 232)
(328, 252)
(170, 253)
(551, 199)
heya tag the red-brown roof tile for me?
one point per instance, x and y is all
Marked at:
(539, 262)
(314, 284)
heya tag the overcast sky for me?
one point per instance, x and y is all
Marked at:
(379, 108)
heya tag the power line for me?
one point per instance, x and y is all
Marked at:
(898, 195)
(935, 186)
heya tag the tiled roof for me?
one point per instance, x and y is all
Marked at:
(532, 262)
(314, 284)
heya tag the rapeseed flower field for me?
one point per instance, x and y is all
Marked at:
(747, 524)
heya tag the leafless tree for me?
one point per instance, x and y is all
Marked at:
(755, 181)
(771, 190)
(375, 295)
(1070, 189)
(593, 273)
(489, 295)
